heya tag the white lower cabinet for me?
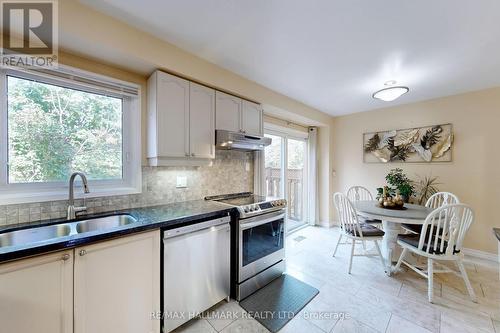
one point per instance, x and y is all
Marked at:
(36, 294)
(117, 285)
(107, 287)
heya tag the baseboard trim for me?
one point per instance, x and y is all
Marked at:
(327, 224)
(481, 254)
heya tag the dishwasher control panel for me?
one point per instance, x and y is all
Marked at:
(195, 227)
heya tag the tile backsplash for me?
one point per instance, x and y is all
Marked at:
(232, 171)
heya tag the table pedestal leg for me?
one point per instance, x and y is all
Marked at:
(390, 250)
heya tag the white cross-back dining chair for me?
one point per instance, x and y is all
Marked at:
(357, 193)
(351, 228)
(436, 200)
(361, 193)
(441, 238)
(440, 199)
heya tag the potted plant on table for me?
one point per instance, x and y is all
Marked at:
(400, 183)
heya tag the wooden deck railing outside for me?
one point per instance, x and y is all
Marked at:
(295, 190)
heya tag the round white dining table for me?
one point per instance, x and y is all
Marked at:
(391, 222)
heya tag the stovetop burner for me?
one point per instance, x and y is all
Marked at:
(240, 199)
(249, 204)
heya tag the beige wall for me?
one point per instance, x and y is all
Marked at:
(473, 175)
(100, 43)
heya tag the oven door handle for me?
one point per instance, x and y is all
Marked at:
(249, 225)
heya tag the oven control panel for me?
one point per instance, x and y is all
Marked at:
(278, 203)
(251, 208)
(263, 207)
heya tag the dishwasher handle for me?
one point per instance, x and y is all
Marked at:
(222, 222)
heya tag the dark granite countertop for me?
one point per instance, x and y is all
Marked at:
(496, 231)
(166, 216)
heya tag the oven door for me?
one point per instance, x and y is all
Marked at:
(261, 243)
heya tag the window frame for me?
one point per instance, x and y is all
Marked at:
(131, 181)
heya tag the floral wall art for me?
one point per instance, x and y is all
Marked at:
(422, 144)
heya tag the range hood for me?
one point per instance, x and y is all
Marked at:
(240, 141)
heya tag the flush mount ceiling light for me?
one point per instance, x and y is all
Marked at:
(391, 93)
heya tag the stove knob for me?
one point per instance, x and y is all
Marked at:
(256, 207)
(246, 209)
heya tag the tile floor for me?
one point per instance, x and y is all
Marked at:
(368, 300)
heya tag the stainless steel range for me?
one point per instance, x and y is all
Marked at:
(258, 255)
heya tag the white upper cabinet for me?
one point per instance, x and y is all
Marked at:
(171, 110)
(183, 116)
(228, 112)
(237, 115)
(181, 121)
(251, 118)
(36, 294)
(201, 120)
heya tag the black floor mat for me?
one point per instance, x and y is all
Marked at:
(278, 302)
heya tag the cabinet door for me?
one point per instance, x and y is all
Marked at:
(202, 121)
(172, 98)
(117, 285)
(227, 112)
(36, 294)
(252, 118)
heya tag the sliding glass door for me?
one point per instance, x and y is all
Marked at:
(274, 167)
(295, 180)
(286, 174)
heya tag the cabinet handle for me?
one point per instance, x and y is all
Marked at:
(82, 253)
(65, 257)
(187, 155)
(192, 154)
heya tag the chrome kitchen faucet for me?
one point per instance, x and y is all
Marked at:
(72, 210)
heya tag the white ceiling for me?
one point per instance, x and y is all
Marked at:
(333, 54)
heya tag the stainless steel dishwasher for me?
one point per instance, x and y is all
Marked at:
(196, 270)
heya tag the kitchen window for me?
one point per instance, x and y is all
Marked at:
(56, 122)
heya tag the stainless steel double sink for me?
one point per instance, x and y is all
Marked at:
(50, 232)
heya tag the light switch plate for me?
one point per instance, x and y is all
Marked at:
(181, 182)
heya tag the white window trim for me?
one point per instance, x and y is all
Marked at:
(286, 131)
(49, 191)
